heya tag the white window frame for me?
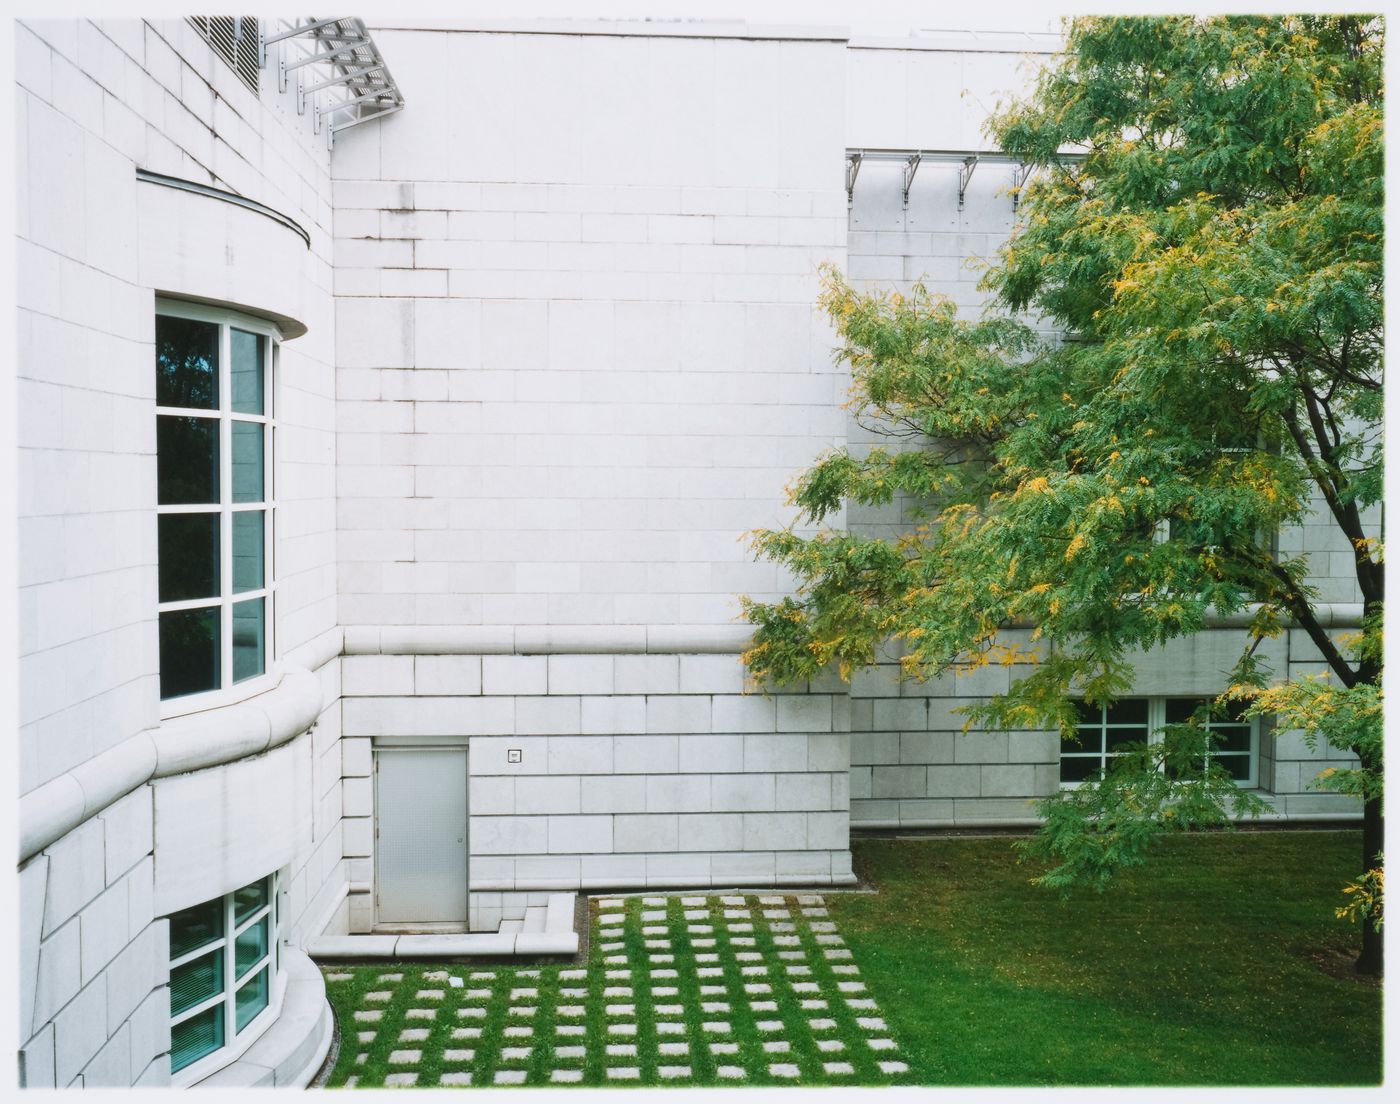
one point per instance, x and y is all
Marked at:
(236, 1042)
(1156, 721)
(228, 692)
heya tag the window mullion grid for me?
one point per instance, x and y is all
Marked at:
(231, 983)
(225, 511)
(195, 1009)
(270, 407)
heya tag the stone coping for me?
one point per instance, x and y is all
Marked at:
(290, 1052)
(175, 746)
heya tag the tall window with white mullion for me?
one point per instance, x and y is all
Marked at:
(223, 970)
(214, 433)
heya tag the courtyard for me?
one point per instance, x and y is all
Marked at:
(1221, 963)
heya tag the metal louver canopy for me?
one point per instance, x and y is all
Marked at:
(340, 72)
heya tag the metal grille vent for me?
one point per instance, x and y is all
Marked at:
(235, 39)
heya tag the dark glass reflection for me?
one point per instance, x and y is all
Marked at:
(247, 450)
(189, 651)
(189, 556)
(187, 460)
(248, 548)
(187, 363)
(1077, 769)
(249, 640)
(192, 1039)
(195, 927)
(247, 355)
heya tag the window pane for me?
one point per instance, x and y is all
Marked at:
(1179, 710)
(1120, 739)
(189, 556)
(195, 927)
(1128, 711)
(247, 449)
(1231, 737)
(1088, 714)
(252, 998)
(187, 460)
(1237, 765)
(197, 980)
(187, 363)
(1088, 737)
(189, 651)
(249, 946)
(248, 639)
(246, 358)
(248, 547)
(196, 1037)
(1078, 768)
(249, 899)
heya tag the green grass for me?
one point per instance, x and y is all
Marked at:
(1219, 963)
(758, 944)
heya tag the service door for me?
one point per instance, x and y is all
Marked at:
(421, 835)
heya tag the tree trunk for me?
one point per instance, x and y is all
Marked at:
(1372, 960)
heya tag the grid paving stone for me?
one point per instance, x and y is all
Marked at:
(698, 977)
(361, 1059)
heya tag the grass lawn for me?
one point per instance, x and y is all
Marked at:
(1219, 963)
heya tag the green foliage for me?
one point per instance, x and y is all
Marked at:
(1215, 262)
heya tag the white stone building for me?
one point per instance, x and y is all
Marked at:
(381, 503)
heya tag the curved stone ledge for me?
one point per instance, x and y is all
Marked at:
(290, 1052)
(177, 746)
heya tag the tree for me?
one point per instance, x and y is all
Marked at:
(1212, 263)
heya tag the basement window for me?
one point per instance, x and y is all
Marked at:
(225, 978)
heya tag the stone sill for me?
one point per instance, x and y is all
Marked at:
(292, 1049)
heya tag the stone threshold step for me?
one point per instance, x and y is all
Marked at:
(549, 930)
